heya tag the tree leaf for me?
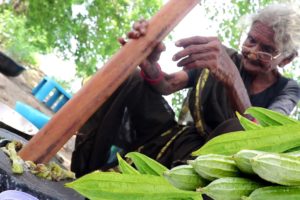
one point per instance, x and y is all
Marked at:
(85, 31)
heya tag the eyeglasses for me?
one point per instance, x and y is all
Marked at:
(263, 56)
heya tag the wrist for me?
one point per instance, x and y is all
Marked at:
(159, 75)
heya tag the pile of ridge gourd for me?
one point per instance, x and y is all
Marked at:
(247, 175)
(260, 163)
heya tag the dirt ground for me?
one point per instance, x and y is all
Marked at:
(13, 89)
(19, 88)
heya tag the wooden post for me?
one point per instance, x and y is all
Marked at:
(49, 140)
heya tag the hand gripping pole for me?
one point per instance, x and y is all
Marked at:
(49, 140)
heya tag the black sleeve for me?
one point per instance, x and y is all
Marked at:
(287, 98)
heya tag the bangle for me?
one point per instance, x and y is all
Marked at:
(153, 81)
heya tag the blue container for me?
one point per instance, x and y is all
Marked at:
(43, 90)
(36, 117)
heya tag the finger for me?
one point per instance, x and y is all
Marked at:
(190, 59)
(144, 23)
(142, 30)
(122, 41)
(194, 40)
(142, 27)
(145, 65)
(136, 25)
(133, 35)
(193, 49)
(155, 55)
(161, 47)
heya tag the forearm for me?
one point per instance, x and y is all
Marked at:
(161, 82)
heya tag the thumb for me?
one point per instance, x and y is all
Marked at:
(122, 41)
(145, 65)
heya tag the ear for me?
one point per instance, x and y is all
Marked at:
(288, 59)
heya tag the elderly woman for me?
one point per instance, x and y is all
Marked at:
(222, 81)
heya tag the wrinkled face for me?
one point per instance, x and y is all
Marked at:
(258, 47)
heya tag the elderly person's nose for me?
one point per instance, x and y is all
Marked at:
(252, 56)
(251, 52)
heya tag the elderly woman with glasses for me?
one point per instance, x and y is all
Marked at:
(221, 81)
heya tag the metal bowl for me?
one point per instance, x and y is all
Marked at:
(13, 121)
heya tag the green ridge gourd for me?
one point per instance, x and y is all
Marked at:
(184, 177)
(213, 166)
(275, 193)
(242, 160)
(277, 168)
(230, 188)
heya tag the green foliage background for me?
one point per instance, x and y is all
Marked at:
(90, 36)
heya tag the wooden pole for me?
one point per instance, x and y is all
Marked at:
(49, 140)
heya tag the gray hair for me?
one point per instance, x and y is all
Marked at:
(285, 21)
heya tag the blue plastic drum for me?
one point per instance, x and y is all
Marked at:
(36, 117)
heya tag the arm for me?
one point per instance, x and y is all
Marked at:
(287, 99)
(162, 82)
(208, 52)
